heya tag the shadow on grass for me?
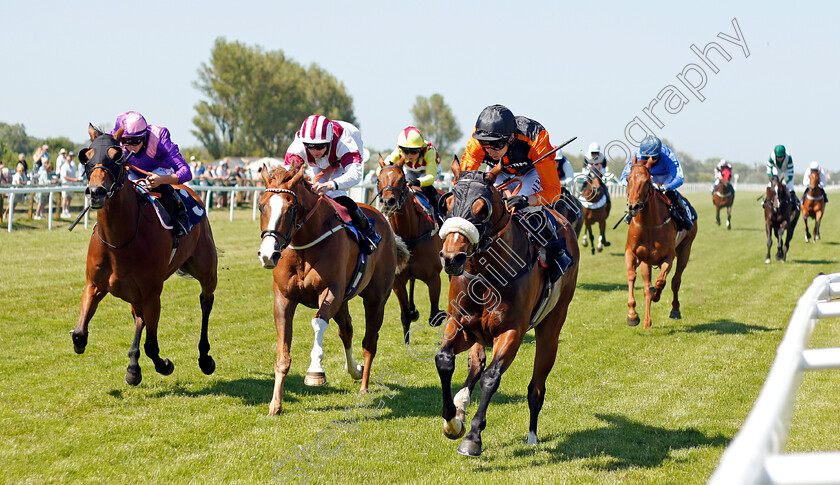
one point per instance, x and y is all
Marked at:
(602, 286)
(750, 229)
(722, 326)
(624, 443)
(815, 261)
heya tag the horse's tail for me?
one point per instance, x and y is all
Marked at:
(403, 254)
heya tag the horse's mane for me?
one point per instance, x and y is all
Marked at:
(282, 175)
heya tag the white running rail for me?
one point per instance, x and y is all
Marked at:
(755, 455)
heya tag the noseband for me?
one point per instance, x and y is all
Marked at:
(642, 203)
(280, 235)
(402, 189)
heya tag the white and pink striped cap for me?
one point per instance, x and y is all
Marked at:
(316, 129)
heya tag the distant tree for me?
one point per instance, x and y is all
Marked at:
(434, 118)
(256, 100)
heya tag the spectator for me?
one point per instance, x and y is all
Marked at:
(22, 159)
(42, 198)
(19, 178)
(60, 159)
(41, 155)
(4, 173)
(68, 176)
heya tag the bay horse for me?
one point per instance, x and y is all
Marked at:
(418, 231)
(813, 205)
(130, 255)
(723, 196)
(596, 208)
(495, 297)
(780, 218)
(314, 260)
(653, 240)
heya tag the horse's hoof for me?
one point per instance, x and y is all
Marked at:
(675, 314)
(414, 315)
(454, 428)
(79, 342)
(275, 409)
(133, 378)
(585, 242)
(437, 319)
(164, 367)
(532, 438)
(767, 261)
(207, 364)
(356, 376)
(633, 321)
(470, 448)
(600, 248)
(79, 350)
(315, 379)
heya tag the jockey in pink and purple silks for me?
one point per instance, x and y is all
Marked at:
(156, 154)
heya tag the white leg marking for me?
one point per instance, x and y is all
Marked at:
(317, 354)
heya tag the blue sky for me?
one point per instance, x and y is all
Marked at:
(585, 69)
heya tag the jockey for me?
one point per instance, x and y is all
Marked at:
(565, 172)
(154, 152)
(806, 180)
(666, 174)
(518, 142)
(719, 168)
(332, 151)
(596, 163)
(421, 161)
(780, 164)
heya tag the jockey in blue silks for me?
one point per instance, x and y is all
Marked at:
(666, 175)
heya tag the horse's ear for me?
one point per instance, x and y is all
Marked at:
(634, 161)
(93, 131)
(400, 162)
(381, 161)
(649, 163)
(299, 175)
(456, 166)
(494, 172)
(83, 155)
(264, 174)
(118, 135)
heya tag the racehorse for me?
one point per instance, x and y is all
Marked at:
(596, 208)
(316, 262)
(813, 205)
(723, 196)
(653, 240)
(418, 231)
(779, 218)
(130, 255)
(495, 296)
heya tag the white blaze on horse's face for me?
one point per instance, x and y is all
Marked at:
(268, 247)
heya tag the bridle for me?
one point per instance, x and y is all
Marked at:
(639, 206)
(402, 190)
(284, 239)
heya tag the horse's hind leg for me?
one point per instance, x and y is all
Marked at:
(602, 227)
(591, 236)
(717, 214)
(413, 313)
(436, 315)
(91, 297)
(729, 217)
(133, 375)
(683, 252)
(632, 316)
(202, 266)
(650, 291)
(546, 335)
(345, 333)
(817, 220)
(402, 299)
(807, 232)
(505, 347)
(374, 314)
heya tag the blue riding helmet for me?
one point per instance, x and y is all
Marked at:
(651, 146)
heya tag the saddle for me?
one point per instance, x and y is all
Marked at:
(543, 232)
(169, 203)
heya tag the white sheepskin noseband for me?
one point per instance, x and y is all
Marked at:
(461, 226)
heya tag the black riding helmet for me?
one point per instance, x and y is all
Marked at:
(494, 123)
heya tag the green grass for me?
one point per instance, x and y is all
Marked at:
(624, 405)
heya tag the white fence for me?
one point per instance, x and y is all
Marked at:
(755, 455)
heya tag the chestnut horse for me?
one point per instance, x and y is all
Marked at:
(596, 208)
(130, 255)
(419, 233)
(723, 196)
(653, 240)
(780, 218)
(314, 259)
(494, 299)
(813, 205)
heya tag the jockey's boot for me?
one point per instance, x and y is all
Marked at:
(182, 221)
(370, 237)
(825, 195)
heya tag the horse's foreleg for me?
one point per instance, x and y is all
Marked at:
(505, 347)
(477, 361)
(769, 230)
(315, 375)
(781, 250)
(729, 217)
(345, 333)
(632, 263)
(413, 314)
(151, 318)
(133, 375)
(649, 290)
(374, 314)
(205, 362)
(817, 220)
(402, 299)
(284, 312)
(717, 214)
(807, 232)
(602, 227)
(91, 296)
(659, 285)
(436, 315)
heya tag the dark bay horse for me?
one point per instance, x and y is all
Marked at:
(596, 208)
(130, 255)
(418, 231)
(723, 196)
(653, 240)
(314, 261)
(494, 299)
(780, 218)
(813, 205)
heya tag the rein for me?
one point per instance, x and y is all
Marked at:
(288, 239)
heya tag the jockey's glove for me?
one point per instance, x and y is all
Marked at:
(516, 202)
(414, 183)
(660, 187)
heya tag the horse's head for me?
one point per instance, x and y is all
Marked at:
(104, 163)
(639, 186)
(726, 174)
(472, 209)
(777, 194)
(393, 187)
(813, 179)
(281, 211)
